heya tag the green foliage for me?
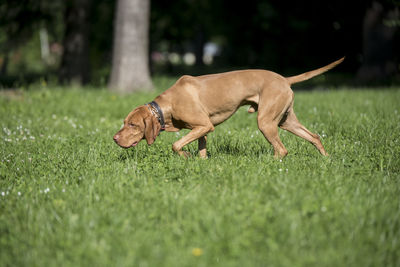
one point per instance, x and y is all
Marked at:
(70, 197)
(19, 19)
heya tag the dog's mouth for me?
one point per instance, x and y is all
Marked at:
(134, 144)
(127, 146)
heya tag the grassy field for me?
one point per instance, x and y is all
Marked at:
(69, 196)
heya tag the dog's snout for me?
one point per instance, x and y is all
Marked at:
(116, 137)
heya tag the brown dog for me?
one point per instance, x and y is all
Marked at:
(200, 103)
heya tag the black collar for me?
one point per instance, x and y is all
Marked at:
(157, 112)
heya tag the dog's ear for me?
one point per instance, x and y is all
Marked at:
(151, 129)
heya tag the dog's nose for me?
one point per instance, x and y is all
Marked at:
(116, 137)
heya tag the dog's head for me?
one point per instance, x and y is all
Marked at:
(139, 124)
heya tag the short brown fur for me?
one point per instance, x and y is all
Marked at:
(200, 103)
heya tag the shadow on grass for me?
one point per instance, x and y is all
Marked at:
(162, 154)
(145, 154)
(246, 149)
(157, 155)
(131, 153)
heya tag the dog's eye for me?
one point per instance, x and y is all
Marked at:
(131, 124)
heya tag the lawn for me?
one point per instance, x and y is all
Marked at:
(69, 196)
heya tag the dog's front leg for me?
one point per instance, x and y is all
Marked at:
(195, 133)
(202, 147)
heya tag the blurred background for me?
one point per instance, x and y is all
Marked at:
(123, 44)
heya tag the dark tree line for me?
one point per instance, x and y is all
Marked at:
(75, 67)
(284, 35)
(279, 35)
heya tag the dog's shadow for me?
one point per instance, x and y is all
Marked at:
(125, 155)
(137, 153)
(159, 154)
(238, 150)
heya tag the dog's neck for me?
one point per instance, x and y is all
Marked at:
(157, 112)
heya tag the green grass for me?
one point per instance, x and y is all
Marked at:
(69, 196)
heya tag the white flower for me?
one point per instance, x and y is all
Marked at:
(280, 170)
(3, 194)
(19, 193)
(7, 131)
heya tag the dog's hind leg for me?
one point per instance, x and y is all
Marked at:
(271, 109)
(291, 124)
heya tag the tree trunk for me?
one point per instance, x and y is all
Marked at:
(130, 66)
(379, 52)
(4, 65)
(199, 43)
(75, 60)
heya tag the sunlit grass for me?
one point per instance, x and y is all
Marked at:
(69, 196)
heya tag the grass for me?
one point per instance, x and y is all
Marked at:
(70, 197)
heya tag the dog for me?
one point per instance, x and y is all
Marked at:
(201, 103)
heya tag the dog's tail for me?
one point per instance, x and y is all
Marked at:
(308, 75)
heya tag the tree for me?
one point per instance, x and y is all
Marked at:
(19, 20)
(380, 27)
(130, 66)
(75, 61)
